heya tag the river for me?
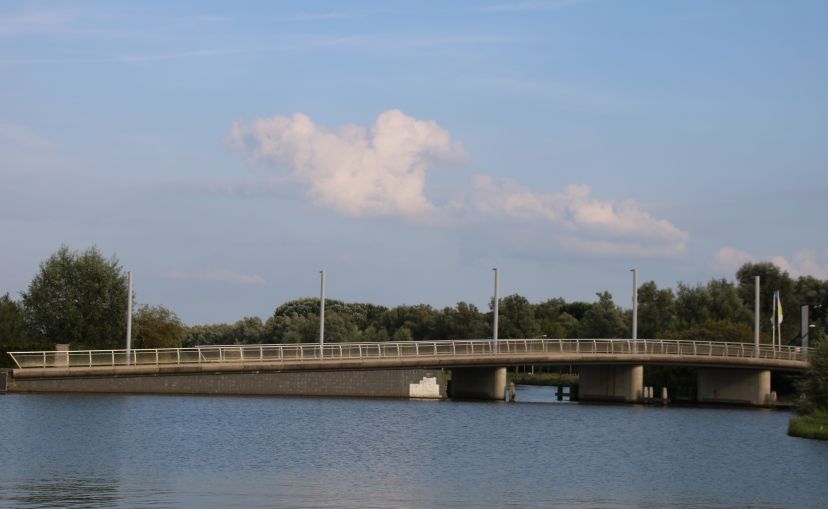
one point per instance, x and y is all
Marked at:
(224, 452)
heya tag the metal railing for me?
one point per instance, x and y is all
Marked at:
(312, 352)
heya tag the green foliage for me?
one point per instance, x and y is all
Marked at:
(718, 300)
(772, 279)
(815, 384)
(716, 330)
(809, 426)
(656, 310)
(78, 298)
(209, 334)
(420, 320)
(576, 309)
(517, 318)
(714, 311)
(12, 324)
(157, 327)
(403, 334)
(250, 330)
(14, 334)
(604, 319)
(462, 322)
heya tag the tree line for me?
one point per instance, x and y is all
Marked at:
(80, 298)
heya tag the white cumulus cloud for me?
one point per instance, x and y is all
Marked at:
(356, 171)
(806, 262)
(729, 259)
(382, 171)
(586, 224)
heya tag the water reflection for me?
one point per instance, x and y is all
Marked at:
(541, 394)
(47, 493)
(157, 451)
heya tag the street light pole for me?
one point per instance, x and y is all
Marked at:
(806, 326)
(756, 317)
(635, 304)
(496, 301)
(321, 313)
(129, 316)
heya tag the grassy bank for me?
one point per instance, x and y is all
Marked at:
(544, 378)
(810, 426)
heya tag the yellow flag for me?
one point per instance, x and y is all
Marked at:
(778, 308)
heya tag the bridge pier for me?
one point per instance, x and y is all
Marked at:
(734, 386)
(478, 383)
(610, 382)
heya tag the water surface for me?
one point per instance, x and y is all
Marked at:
(169, 451)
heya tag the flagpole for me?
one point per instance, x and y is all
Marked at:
(780, 317)
(773, 322)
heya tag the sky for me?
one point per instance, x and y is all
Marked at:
(227, 152)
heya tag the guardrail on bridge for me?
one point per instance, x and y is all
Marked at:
(313, 352)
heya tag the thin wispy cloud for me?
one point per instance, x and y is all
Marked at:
(37, 22)
(323, 16)
(22, 137)
(222, 276)
(382, 171)
(131, 59)
(284, 45)
(532, 5)
(71, 22)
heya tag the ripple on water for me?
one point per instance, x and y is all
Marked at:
(168, 451)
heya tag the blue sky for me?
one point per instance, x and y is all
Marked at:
(227, 153)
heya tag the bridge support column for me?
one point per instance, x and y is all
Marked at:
(734, 386)
(612, 382)
(478, 383)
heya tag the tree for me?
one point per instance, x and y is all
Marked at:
(604, 319)
(717, 330)
(570, 326)
(339, 328)
(815, 384)
(464, 321)
(14, 335)
(516, 318)
(158, 327)
(78, 298)
(718, 300)
(772, 279)
(420, 320)
(210, 334)
(656, 310)
(249, 330)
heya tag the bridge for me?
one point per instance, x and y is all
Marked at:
(609, 369)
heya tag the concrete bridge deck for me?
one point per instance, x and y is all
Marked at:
(610, 369)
